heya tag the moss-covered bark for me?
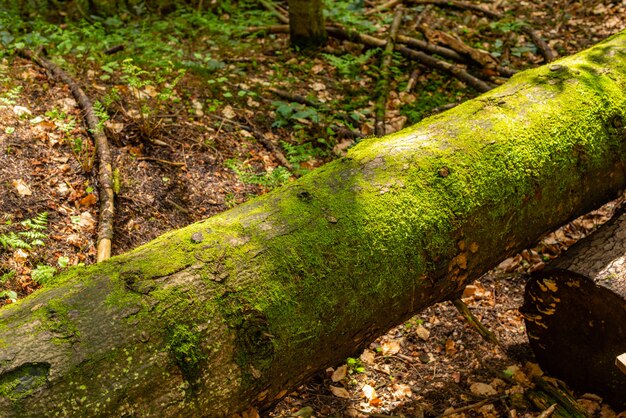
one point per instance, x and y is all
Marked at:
(240, 308)
(306, 23)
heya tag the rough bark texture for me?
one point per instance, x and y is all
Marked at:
(576, 313)
(240, 308)
(306, 23)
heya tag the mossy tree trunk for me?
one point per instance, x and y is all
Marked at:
(240, 308)
(306, 23)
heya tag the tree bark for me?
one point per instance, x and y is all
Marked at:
(575, 313)
(238, 309)
(306, 23)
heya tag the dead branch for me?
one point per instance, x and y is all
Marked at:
(296, 98)
(482, 58)
(112, 50)
(166, 162)
(458, 5)
(412, 80)
(383, 83)
(105, 171)
(474, 322)
(382, 7)
(259, 136)
(430, 48)
(547, 52)
(423, 58)
(271, 8)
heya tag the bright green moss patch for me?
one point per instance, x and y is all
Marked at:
(23, 381)
(185, 344)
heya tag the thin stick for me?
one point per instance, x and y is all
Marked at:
(547, 52)
(472, 406)
(271, 8)
(474, 322)
(547, 412)
(382, 7)
(383, 82)
(458, 5)
(157, 160)
(431, 48)
(105, 171)
(423, 58)
(412, 80)
(296, 98)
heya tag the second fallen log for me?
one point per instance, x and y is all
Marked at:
(575, 314)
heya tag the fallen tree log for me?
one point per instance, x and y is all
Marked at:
(238, 309)
(575, 313)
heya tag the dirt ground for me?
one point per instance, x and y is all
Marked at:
(176, 168)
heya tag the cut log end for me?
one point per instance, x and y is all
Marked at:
(577, 329)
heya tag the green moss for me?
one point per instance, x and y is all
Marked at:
(184, 343)
(23, 381)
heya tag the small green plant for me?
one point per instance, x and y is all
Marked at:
(268, 180)
(150, 90)
(5, 277)
(43, 274)
(10, 97)
(287, 113)
(349, 65)
(31, 237)
(355, 365)
(83, 150)
(9, 294)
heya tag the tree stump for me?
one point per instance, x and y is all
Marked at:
(575, 314)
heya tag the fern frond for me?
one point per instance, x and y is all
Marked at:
(33, 235)
(12, 241)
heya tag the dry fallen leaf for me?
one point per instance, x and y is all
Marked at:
(20, 256)
(86, 222)
(340, 373)
(370, 393)
(401, 391)
(88, 200)
(390, 347)
(482, 389)
(228, 112)
(422, 332)
(368, 357)
(339, 392)
(22, 188)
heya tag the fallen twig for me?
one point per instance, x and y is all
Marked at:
(112, 50)
(259, 136)
(157, 160)
(412, 80)
(296, 98)
(547, 412)
(105, 171)
(383, 82)
(474, 322)
(544, 48)
(443, 108)
(458, 5)
(382, 7)
(420, 56)
(547, 52)
(430, 48)
(271, 8)
(472, 406)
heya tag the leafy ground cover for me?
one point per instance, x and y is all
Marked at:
(190, 101)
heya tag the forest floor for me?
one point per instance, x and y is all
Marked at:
(201, 113)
